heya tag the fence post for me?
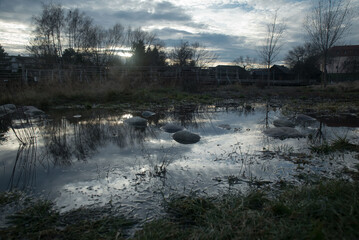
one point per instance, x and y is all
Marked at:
(100, 76)
(24, 75)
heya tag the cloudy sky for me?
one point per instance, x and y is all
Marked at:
(231, 28)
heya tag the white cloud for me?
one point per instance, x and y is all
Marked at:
(233, 27)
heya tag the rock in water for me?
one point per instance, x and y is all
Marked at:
(148, 114)
(225, 126)
(302, 119)
(7, 109)
(32, 111)
(137, 122)
(171, 128)
(186, 137)
(283, 123)
(283, 132)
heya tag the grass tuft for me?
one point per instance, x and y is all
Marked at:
(41, 221)
(329, 210)
(9, 197)
(340, 144)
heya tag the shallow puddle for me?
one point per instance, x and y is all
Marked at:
(93, 158)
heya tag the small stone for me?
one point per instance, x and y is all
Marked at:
(283, 123)
(186, 137)
(283, 132)
(225, 126)
(137, 122)
(301, 118)
(171, 128)
(148, 114)
(32, 111)
(7, 109)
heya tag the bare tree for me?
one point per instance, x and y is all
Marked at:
(182, 54)
(48, 36)
(77, 25)
(3, 53)
(272, 46)
(299, 54)
(103, 43)
(245, 62)
(195, 55)
(201, 56)
(54, 32)
(303, 60)
(327, 24)
(138, 35)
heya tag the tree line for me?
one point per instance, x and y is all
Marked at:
(71, 37)
(326, 25)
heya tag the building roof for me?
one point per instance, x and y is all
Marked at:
(344, 51)
(281, 68)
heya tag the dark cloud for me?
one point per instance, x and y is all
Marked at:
(19, 10)
(226, 46)
(207, 38)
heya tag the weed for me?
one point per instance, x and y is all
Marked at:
(41, 221)
(34, 219)
(329, 210)
(340, 144)
(188, 210)
(284, 149)
(9, 197)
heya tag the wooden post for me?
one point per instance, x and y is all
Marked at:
(229, 80)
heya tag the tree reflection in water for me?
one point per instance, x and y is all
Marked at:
(64, 141)
(24, 170)
(81, 139)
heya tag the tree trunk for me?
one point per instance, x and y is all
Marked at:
(325, 72)
(268, 75)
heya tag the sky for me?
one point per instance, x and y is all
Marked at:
(230, 28)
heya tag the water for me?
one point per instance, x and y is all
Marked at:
(92, 158)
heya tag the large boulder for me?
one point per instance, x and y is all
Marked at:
(171, 128)
(282, 122)
(186, 137)
(283, 132)
(136, 122)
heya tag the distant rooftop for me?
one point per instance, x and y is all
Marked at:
(344, 51)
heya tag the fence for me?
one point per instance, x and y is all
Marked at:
(190, 78)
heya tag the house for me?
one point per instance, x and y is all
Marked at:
(343, 59)
(280, 72)
(259, 73)
(227, 74)
(277, 72)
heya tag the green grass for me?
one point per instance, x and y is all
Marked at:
(46, 97)
(327, 211)
(41, 221)
(340, 144)
(9, 197)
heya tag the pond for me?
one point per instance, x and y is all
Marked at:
(94, 157)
